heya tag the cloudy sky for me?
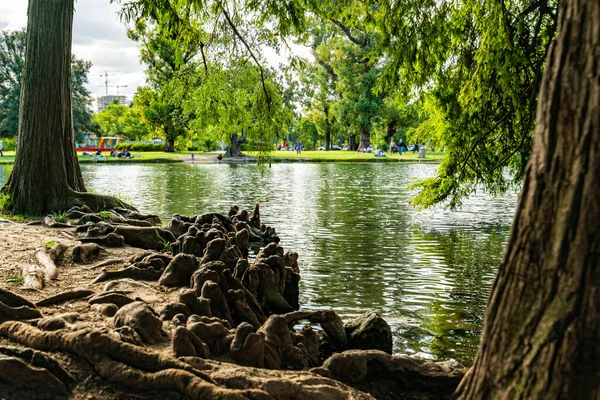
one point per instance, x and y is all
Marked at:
(98, 36)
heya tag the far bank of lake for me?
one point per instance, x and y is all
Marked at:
(160, 157)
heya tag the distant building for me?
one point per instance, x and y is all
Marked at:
(104, 101)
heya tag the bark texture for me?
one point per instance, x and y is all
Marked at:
(235, 148)
(352, 142)
(365, 138)
(542, 325)
(169, 144)
(41, 179)
(46, 175)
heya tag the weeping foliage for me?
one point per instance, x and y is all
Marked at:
(231, 100)
(480, 64)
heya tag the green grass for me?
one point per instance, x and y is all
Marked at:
(351, 156)
(317, 156)
(105, 215)
(15, 280)
(17, 217)
(60, 217)
(139, 157)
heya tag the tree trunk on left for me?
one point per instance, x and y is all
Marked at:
(46, 175)
(46, 166)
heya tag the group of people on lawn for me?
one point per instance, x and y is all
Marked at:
(400, 147)
(124, 153)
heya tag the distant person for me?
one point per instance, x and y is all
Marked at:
(98, 152)
(1, 149)
(125, 154)
(113, 153)
(298, 148)
(393, 147)
(416, 148)
(401, 146)
(192, 156)
(379, 152)
(220, 157)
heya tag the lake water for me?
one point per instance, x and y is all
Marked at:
(362, 246)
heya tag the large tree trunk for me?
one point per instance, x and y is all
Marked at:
(390, 130)
(46, 174)
(542, 324)
(41, 179)
(235, 148)
(170, 145)
(365, 138)
(352, 142)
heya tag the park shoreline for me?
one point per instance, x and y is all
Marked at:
(245, 160)
(171, 313)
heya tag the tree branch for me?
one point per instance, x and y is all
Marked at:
(262, 72)
(346, 30)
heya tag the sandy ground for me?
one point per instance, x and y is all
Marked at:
(17, 249)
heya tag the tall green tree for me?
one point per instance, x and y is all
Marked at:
(120, 120)
(169, 55)
(231, 104)
(12, 61)
(343, 79)
(12, 58)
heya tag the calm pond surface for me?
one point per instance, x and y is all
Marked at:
(361, 246)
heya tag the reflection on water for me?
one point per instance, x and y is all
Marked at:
(362, 247)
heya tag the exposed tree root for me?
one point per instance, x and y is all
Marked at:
(15, 307)
(117, 298)
(35, 276)
(18, 373)
(50, 222)
(392, 377)
(111, 285)
(127, 364)
(40, 360)
(65, 296)
(106, 263)
(48, 258)
(110, 240)
(132, 272)
(86, 252)
(96, 202)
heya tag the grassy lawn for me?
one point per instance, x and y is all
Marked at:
(350, 156)
(139, 157)
(317, 156)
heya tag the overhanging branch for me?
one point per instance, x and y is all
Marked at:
(260, 68)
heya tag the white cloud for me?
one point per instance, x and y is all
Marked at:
(98, 36)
